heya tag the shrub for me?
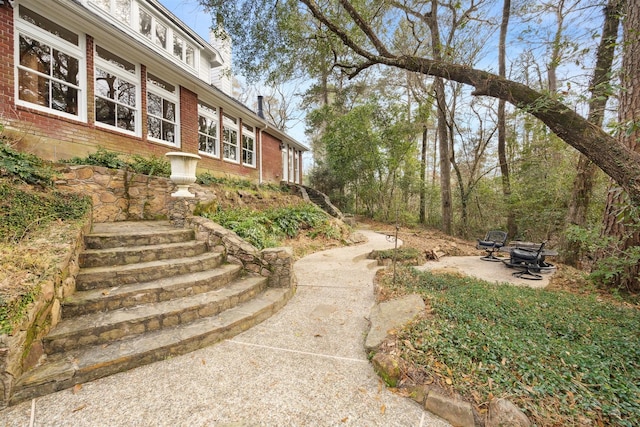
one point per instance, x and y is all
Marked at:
(24, 167)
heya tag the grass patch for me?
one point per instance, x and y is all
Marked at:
(266, 228)
(562, 358)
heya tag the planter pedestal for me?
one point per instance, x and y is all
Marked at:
(183, 172)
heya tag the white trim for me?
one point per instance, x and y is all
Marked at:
(252, 135)
(76, 51)
(231, 123)
(132, 78)
(173, 97)
(216, 119)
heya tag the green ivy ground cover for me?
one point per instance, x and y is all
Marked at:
(561, 357)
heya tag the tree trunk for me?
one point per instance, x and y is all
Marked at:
(586, 170)
(626, 228)
(423, 177)
(445, 164)
(512, 228)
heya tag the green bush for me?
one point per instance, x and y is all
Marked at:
(102, 157)
(557, 355)
(155, 166)
(152, 166)
(25, 167)
(266, 228)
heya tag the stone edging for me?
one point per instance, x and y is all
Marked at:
(394, 314)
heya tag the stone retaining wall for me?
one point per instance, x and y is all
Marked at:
(123, 195)
(274, 263)
(22, 349)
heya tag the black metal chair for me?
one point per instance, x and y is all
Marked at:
(493, 241)
(529, 261)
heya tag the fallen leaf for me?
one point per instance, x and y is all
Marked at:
(204, 362)
(317, 336)
(105, 293)
(80, 408)
(383, 409)
(448, 381)
(76, 388)
(344, 420)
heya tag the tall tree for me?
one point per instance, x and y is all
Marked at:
(622, 214)
(512, 229)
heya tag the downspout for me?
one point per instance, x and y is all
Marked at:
(266, 126)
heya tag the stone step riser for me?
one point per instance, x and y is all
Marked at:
(88, 280)
(70, 377)
(148, 296)
(116, 256)
(129, 328)
(109, 241)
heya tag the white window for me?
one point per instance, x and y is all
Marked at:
(50, 66)
(208, 129)
(152, 28)
(116, 92)
(248, 146)
(183, 51)
(230, 138)
(121, 9)
(162, 111)
(296, 161)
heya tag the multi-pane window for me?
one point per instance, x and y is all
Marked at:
(207, 129)
(229, 138)
(162, 110)
(50, 65)
(121, 9)
(116, 91)
(153, 29)
(165, 37)
(248, 146)
(183, 51)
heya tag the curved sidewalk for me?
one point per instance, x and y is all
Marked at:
(305, 366)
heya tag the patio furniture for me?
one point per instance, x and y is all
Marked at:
(493, 241)
(529, 261)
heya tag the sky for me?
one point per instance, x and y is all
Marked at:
(192, 13)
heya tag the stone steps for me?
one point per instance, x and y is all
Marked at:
(111, 276)
(134, 254)
(145, 291)
(104, 327)
(86, 302)
(64, 370)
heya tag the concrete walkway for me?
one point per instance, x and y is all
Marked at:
(305, 366)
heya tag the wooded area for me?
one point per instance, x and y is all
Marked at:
(468, 115)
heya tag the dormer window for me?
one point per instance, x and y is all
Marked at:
(121, 9)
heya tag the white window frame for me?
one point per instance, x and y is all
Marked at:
(249, 133)
(76, 51)
(132, 78)
(296, 162)
(113, 9)
(230, 124)
(209, 113)
(171, 97)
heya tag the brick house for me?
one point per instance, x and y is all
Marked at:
(129, 76)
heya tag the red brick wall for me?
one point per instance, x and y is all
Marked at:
(55, 138)
(6, 61)
(188, 121)
(271, 158)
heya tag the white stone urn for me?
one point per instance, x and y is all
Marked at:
(183, 171)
